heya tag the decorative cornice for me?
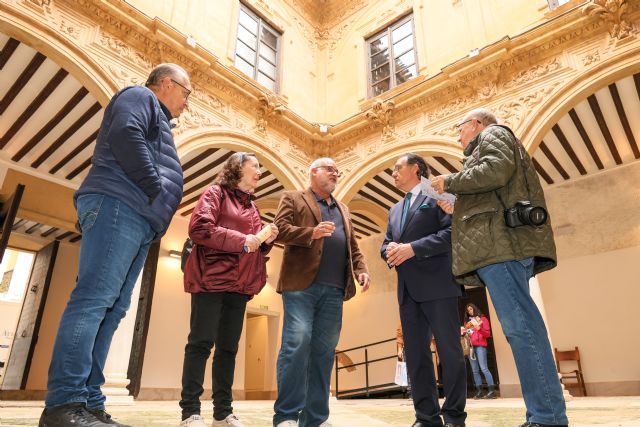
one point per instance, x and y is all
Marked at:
(615, 14)
(268, 106)
(380, 114)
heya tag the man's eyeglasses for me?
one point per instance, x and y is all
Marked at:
(185, 92)
(331, 170)
(459, 125)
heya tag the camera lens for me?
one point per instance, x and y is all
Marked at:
(537, 215)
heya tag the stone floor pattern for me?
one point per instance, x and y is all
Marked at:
(583, 411)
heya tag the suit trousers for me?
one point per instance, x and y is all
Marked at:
(421, 321)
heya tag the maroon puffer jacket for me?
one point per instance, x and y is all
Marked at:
(218, 227)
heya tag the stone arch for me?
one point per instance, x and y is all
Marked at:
(88, 71)
(237, 141)
(435, 145)
(574, 91)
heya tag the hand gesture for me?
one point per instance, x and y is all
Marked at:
(323, 229)
(437, 182)
(251, 243)
(274, 234)
(364, 280)
(446, 206)
(399, 254)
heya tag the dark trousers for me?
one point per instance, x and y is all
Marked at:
(216, 319)
(421, 320)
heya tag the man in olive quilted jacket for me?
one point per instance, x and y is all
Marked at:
(501, 243)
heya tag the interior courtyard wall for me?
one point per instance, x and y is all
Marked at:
(213, 24)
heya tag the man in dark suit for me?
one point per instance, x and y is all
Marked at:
(321, 262)
(418, 245)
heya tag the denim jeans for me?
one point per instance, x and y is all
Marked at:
(508, 284)
(216, 319)
(312, 323)
(480, 364)
(115, 241)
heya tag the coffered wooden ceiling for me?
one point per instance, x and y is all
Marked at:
(49, 123)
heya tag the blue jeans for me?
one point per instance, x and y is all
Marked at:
(115, 241)
(310, 333)
(508, 284)
(480, 364)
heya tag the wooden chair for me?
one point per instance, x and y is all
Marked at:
(568, 356)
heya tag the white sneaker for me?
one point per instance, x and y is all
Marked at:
(231, 420)
(193, 421)
(288, 423)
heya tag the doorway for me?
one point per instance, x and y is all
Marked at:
(261, 328)
(15, 271)
(478, 296)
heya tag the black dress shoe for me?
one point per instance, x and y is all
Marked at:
(530, 424)
(453, 425)
(73, 414)
(105, 417)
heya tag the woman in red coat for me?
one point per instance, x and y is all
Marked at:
(477, 325)
(226, 269)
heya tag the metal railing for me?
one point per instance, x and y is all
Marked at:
(368, 388)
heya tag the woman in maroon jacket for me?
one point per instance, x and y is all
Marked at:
(225, 269)
(477, 325)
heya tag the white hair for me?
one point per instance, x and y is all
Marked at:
(322, 161)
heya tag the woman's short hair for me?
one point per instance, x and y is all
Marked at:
(231, 172)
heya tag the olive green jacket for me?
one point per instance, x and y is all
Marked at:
(479, 234)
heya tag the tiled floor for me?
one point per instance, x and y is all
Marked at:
(583, 411)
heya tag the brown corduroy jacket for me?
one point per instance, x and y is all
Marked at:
(297, 215)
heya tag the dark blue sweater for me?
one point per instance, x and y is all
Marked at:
(135, 159)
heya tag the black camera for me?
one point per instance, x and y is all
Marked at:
(523, 213)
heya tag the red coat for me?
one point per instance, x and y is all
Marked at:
(479, 337)
(218, 227)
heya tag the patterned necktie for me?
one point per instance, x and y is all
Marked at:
(405, 209)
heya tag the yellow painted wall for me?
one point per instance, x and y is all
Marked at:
(325, 80)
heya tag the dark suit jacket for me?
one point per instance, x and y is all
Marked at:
(427, 276)
(297, 215)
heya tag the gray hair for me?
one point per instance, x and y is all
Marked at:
(164, 70)
(484, 116)
(322, 161)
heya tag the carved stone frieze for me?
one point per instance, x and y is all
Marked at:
(268, 106)
(591, 58)
(69, 28)
(615, 14)
(513, 112)
(42, 5)
(124, 77)
(381, 115)
(123, 50)
(193, 119)
(209, 100)
(533, 73)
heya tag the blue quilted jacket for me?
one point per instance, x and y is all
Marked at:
(135, 159)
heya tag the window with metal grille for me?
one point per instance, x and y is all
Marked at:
(392, 56)
(257, 46)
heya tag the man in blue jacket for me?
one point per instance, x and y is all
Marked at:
(418, 245)
(126, 201)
